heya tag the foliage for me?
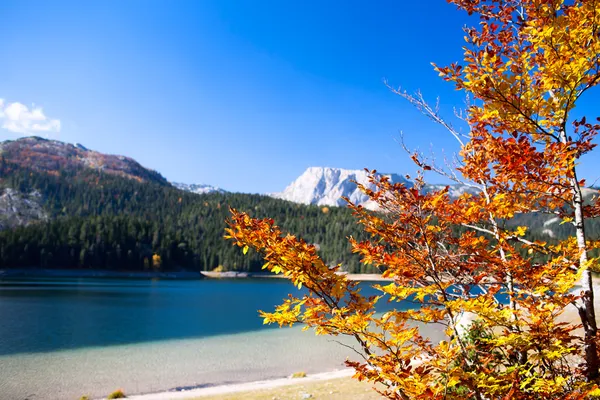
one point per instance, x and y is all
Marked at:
(108, 222)
(525, 66)
(117, 394)
(439, 271)
(219, 268)
(156, 262)
(300, 374)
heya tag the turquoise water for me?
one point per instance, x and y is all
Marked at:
(50, 315)
(90, 336)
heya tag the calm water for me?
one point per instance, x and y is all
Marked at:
(50, 315)
(93, 335)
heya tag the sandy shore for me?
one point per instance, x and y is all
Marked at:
(367, 277)
(168, 366)
(243, 387)
(81, 273)
(247, 275)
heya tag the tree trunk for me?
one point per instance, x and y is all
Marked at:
(585, 306)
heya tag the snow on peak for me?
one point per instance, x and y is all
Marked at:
(197, 188)
(326, 186)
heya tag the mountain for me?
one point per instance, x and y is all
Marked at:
(326, 186)
(59, 211)
(198, 188)
(55, 157)
(66, 207)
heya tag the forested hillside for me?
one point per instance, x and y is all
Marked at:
(106, 221)
(69, 207)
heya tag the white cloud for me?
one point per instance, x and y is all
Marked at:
(17, 117)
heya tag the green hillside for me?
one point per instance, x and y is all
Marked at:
(62, 206)
(105, 221)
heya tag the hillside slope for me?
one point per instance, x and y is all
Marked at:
(88, 218)
(57, 212)
(55, 157)
(18, 208)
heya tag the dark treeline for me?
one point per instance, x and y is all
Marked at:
(103, 221)
(549, 229)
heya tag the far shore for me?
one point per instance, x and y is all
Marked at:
(93, 273)
(251, 275)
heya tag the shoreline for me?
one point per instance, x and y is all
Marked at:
(242, 387)
(84, 273)
(251, 275)
(183, 275)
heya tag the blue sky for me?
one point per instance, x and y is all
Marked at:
(242, 94)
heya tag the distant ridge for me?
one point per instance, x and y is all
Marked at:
(52, 156)
(63, 206)
(326, 186)
(198, 188)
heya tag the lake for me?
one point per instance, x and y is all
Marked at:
(63, 338)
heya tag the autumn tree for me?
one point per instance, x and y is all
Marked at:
(525, 66)
(156, 262)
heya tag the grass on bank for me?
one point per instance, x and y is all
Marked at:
(334, 389)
